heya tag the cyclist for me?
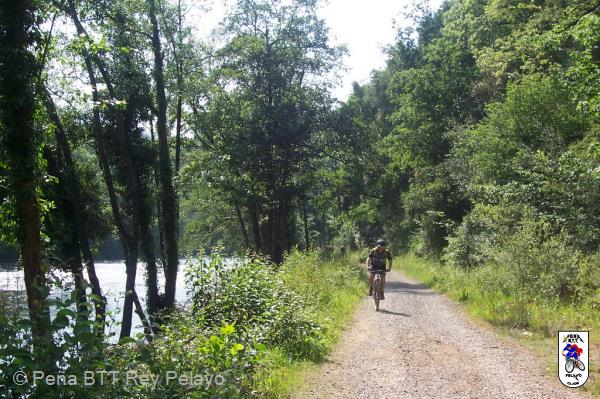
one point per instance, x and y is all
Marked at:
(573, 351)
(376, 262)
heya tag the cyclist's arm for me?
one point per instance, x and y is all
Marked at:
(390, 262)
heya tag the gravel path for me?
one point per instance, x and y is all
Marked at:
(420, 345)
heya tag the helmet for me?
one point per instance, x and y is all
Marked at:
(380, 242)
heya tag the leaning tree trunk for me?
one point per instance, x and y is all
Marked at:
(17, 105)
(74, 191)
(167, 190)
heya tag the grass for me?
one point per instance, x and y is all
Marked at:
(332, 288)
(486, 295)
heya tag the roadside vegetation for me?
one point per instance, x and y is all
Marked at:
(249, 331)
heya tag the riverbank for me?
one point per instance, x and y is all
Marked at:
(532, 322)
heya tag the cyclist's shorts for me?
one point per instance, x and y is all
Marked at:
(377, 269)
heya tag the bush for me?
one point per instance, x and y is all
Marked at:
(542, 264)
(526, 249)
(250, 294)
(221, 363)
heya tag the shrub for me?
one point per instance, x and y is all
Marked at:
(524, 248)
(213, 364)
(251, 294)
(244, 315)
(543, 265)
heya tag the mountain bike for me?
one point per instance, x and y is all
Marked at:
(572, 362)
(377, 284)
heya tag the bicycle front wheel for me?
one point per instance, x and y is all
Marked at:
(376, 291)
(580, 365)
(569, 365)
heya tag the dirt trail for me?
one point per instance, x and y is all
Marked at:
(420, 345)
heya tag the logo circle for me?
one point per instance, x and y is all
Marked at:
(20, 378)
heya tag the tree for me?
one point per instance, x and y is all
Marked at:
(20, 146)
(73, 217)
(123, 127)
(266, 103)
(168, 197)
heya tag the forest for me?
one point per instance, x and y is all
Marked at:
(477, 147)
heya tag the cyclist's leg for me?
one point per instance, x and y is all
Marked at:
(383, 282)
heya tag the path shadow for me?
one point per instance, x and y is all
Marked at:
(393, 313)
(401, 286)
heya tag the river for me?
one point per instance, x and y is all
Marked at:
(112, 281)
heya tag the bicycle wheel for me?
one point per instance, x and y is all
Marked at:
(569, 365)
(376, 288)
(580, 365)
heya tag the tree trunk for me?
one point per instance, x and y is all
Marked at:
(167, 191)
(242, 225)
(148, 250)
(77, 270)
(178, 131)
(253, 211)
(131, 300)
(80, 220)
(129, 239)
(69, 243)
(305, 219)
(17, 104)
(274, 231)
(141, 222)
(139, 310)
(161, 236)
(282, 245)
(131, 270)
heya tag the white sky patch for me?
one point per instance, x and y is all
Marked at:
(364, 26)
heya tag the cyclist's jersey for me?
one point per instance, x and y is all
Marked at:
(378, 258)
(573, 351)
